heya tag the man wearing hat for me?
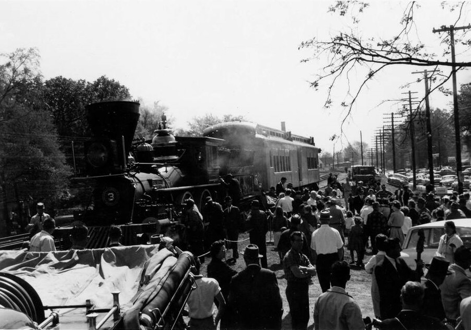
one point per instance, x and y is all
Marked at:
(257, 224)
(254, 296)
(457, 285)
(284, 244)
(36, 223)
(327, 247)
(232, 224)
(437, 270)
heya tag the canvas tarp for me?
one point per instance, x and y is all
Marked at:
(71, 277)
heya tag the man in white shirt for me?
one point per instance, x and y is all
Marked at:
(43, 241)
(201, 301)
(327, 247)
(286, 203)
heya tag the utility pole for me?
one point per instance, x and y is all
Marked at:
(429, 127)
(361, 147)
(377, 164)
(452, 30)
(412, 140)
(390, 126)
(439, 151)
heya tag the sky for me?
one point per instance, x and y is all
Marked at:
(226, 57)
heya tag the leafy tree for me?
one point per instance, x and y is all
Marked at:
(352, 50)
(353, 152)
(66, 99)
(199, 124)
(31, 164)
(19, 71)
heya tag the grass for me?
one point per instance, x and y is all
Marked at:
(359, 286)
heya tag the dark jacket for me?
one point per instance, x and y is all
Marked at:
(233, 221)
(412, 320)
(255, 300)
(432, 305)
(222, 273)
(390, 282)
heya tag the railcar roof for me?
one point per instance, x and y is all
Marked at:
(262, 132)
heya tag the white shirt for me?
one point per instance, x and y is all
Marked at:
(312, 201)
(42, 242)
(286, 203)
(370, 265)
(326, 240)
(406, 225)
(200, 302)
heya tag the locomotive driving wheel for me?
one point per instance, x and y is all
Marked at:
(182, 197)
(201, 198)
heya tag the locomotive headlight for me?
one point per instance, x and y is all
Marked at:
(97, 154)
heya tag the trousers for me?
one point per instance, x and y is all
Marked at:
(297, 294)
(324, 264)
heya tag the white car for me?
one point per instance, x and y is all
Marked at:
(432, 231)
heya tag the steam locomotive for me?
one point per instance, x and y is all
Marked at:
(147, 181)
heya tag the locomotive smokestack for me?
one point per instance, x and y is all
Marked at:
(283, 126)
(113, 120)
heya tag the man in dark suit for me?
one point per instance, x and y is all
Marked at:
(391, 275)
(232, 224)
(254, 296)
(410, 317)
(257, 226)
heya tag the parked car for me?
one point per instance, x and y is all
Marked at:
(398, 180)
(466, 183)
(446, 171)
(447, 180)
(467, 171)
(432, 231)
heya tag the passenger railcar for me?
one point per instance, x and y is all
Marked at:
(269, 154)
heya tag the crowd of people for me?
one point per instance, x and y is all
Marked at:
(311, 230)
